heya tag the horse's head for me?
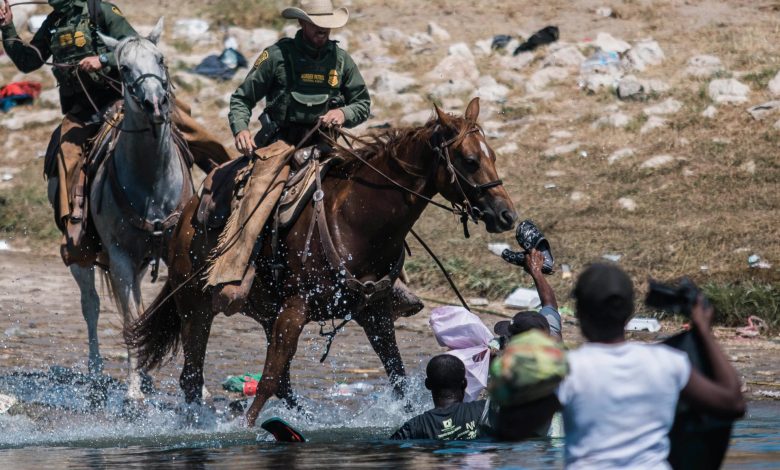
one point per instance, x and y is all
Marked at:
(144, 74)
(467, 171)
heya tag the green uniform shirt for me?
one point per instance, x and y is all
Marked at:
(271, 74)
(27, 59)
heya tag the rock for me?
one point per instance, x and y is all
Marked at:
(629, 88)
(561, 150)
(254, 40)
(645, 53)
(577, 196)
(342, 37)
(606, 42)
(657, 161)
(452, 88)
(389, 81)
(516, 62)
(190, 80)
(669, 106)
(704, 66)
(620, 155)
(654, 86)
(564, 55)
(511, 78)
(22, 118)
(419, 41)
(606, 12)
(483, 47)
(777, 125)
(459, 64)
(417, 118)
(50, 98)
(627, 203)
(490, 90)
(761, 111)
(613, 120)
(748, 167)
(541, 78)
(593, 82)
(408, 102)
(710, 112)
(774, 85)
(560, 134)
(508, 149)
(392, 35)
(728, 90)
(192, 30)
(456, 104)
(654, 122)
(438, 33)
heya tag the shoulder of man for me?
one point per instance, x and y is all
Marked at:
(271, 55)
(110, 10)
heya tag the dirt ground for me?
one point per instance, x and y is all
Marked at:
(41, 326)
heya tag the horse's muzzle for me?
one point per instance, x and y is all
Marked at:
(500, 220)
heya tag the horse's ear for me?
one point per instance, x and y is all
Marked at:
(472, 110)
(442, 117)
(110, 42)
(154, 36)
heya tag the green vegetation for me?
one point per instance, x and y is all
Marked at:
(25, 209)
(735, 302)
(246, 13)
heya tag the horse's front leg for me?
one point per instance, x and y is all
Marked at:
(127, 297)
(377, 322)
(282, 344)
(90, 308)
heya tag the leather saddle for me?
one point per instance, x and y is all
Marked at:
(224, 187)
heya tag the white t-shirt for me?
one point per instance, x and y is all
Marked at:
(619, 403)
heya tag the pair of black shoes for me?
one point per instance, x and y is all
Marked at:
(529, 236)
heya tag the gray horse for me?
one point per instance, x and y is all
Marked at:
(144, 188)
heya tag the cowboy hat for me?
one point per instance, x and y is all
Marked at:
(319, 12)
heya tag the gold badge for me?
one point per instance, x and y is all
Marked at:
(116, 11)
(263, 57)
(333, 78)
(80, 40)
(66, 39)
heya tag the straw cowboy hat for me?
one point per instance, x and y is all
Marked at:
(319, 12)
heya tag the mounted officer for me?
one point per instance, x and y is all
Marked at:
(87, 75)
(303, 80)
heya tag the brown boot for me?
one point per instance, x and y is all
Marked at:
(230, 297)
(403, 302)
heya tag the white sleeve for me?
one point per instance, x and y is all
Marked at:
(563, 392)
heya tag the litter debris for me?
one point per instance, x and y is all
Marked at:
(498, 248)
(601, 61)
(500, 41)
(754, 327)
(550, 186)
(755, 262)
(6, 402)
(523, 298)
(643, 324)
(565, 271)
(246, 384)
(583, 154)
(222, 66)
(606, 12)
(479, 301)
(614, 257)
(704, 268)
(17, 93)
(4, 246)
(544, 36)
(7, 177)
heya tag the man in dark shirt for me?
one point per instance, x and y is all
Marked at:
(450, 419)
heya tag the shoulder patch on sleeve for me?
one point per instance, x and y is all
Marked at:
(262, 58)
(117, 11)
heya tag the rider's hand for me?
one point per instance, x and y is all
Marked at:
(245, 143)
(534, 262)
(702, 314)
(334, 117)
(90, 64)
(6, 14)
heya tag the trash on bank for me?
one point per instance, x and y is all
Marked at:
(18, 93)
(546, 35)
(7, 177)
(614, 257)
(498, 248)
(4, 246)
(565, 271)
(500, 41)
(523, 298)
(223, 66)
(755, 325)
(479, 302)
(643, 324)
(755, 262)
(246, 384)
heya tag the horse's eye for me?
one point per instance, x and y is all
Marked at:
(471, 162)
(161, 60)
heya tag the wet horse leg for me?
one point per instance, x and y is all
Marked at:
(281, 348)
(90, 308)
(195, 330)
(285, 391)
(378, 325)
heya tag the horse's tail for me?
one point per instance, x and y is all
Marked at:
(155, 334)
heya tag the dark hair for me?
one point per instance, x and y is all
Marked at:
(445, 372)
(529, 320)
(605, 301)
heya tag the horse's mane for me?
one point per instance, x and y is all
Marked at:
(385, 143)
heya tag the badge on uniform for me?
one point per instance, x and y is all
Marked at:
(333, 78)
(116, 11)
(80, 40)
(263, 57)
(66, 39)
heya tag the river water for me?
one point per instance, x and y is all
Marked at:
(55, 427)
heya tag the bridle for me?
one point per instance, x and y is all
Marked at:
(131, 89)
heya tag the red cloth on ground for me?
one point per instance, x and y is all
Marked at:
(21, 88)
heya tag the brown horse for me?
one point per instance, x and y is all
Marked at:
(357, 247)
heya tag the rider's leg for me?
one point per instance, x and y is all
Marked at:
(206, 149)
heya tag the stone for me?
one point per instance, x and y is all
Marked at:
(653, 122)
(416, 118)
(291, 29)
(392, 35)
(508, 149)
(489, 89)
(560, 150)
(190, 80)
(389, 81)
(764, 110)
(613, 120)
(577, 196)
(419, 41)
(438, 33)
(728, 90)
(606, 42)
(606, 12)
(710, 112)
(516, 62)
(564, 55)
(511, 78)
(459, 64)
(669, 106)
(452, 88)
(483, 46)
(704, 66)
(629, 88)
(657, 161)
(774, 85)
(192, 30)
(627, 203)
(50, 98)
(21, 118)
(654, 85)
(777, 125)
(594, 82)
(543, 77)
(561, 134)
(645, 53)
(254, 40)
(620, 155)
(749, 167)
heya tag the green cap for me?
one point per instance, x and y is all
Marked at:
(531, 367)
